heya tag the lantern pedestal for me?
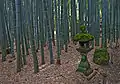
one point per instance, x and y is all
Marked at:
(84, 65)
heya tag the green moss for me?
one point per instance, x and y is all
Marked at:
(101, 56)
(83, 29)
(83, 36)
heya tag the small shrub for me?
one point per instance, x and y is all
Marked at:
(101, 56)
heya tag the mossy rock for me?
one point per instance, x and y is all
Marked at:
(101, 56)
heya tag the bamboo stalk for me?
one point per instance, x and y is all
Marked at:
(3, 42)
(42, 32)
(61, 25)
(52, 22)
(35, 59)
(18, 27)
(49, 32)
(58, 32)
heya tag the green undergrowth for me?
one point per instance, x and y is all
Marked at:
(101, 56)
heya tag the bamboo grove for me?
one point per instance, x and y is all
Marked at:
(32, 24)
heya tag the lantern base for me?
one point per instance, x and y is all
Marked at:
(85, 71)
(84, 66)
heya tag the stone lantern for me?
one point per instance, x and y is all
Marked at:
(84, 40)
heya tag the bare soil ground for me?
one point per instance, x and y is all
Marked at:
(60, 74)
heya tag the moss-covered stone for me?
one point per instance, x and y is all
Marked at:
(83, 29)
(101, 56)
(83, 36)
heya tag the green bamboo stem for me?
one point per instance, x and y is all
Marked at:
(97, 23)
(66, 28)
(114, 22)
(61, 25)
(58, 32)
(35, 59)
(3, 45)
(26, 28)
(117, 27)
(109, 20)
(18, 27)
(36, 23)
(41, 13)
(52, 22)
(22, 37)
(49, 31)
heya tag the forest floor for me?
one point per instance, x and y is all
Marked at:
(60, 74)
